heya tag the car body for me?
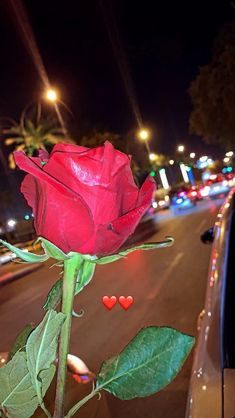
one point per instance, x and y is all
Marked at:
(217, 186)
(180, 199)
(194, 192)
(161, 200)
(212, 384)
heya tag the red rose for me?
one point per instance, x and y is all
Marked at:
(84, 200)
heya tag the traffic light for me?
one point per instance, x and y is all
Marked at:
(26, 217)
(152, 173)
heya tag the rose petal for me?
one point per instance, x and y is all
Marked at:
(69, 148)
(33, 166)
(103, 178)
(109, 238)
(64, 221)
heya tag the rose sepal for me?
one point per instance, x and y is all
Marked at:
(25, 255)
(121, 254)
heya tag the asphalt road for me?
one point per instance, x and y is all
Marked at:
(168, 287)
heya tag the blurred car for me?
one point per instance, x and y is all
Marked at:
(161, 203)
(180, 199)
(161, 200)
(194, 192)
(212, 383)
(216, 186)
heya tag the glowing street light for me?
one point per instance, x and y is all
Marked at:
(51, 95)
(152, 156)
(180, 148)
(229, 154)
(192, 154)
(226, 159)
(171, 162)
(144, 134)
(11, 223)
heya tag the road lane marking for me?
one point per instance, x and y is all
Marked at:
(199, 227)
(165, 276)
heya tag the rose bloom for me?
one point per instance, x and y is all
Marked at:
(84, 199)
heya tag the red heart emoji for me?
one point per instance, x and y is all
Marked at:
(125, 302)
(109, 302)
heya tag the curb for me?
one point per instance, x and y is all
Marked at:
(10, 276)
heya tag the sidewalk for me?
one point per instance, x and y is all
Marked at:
(13, 271)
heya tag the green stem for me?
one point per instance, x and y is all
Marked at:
(78, 405)
(71, 270)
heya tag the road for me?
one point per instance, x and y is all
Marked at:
(168, 287)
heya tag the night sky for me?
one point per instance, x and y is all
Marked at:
(164, 44)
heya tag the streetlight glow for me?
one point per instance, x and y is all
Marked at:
(144, 134)
(152, 156)
(171, 162)
(181, 148)
(192, 154)
(51, 95)
(229, 154)
(226, 160)
(11, 223)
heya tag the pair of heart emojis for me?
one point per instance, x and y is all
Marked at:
(110, 301)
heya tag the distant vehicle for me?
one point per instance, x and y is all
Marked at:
(194, 192)
(217, 186)
(180, 199)
(161, 200)
(212, 384)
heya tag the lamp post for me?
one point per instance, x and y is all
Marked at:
(51, 95)
(144, 136)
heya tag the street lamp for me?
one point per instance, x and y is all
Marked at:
(152, 156)
(51, 95)
(226, 159)
(171, 162)
(192, 154)
(144, 134)
(180, 148)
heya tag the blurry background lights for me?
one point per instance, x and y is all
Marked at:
(171, 162)
(51, 95)
(203, 158)
(144, 134)
(226, 159)
(184, 173)
(152, 156)
(11, 223)
(26, 217)
(163, 177)
(181, 148)
(229, 154)
(192, 154)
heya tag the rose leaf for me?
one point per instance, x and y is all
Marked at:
(25, 255)
(147, 364)
(20, 341)
(18, 397)
(52, 251)
(146, 246)
(41, 348)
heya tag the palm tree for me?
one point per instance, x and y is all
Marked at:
(32, 134)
